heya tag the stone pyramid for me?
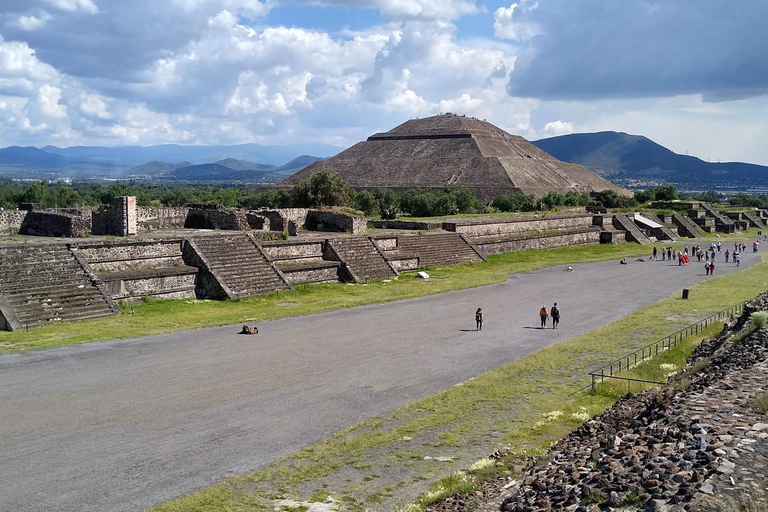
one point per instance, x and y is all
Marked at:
(458, 151)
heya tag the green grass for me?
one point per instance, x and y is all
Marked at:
(162, 316)
(527, 404)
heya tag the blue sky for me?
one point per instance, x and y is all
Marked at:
(689, 74)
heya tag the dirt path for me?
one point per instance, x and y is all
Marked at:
(128, 424)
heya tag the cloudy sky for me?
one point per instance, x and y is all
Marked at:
(690, 74)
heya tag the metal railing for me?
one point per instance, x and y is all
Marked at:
(612, 369)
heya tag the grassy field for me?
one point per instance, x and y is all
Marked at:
(432, 448)
(156, 317)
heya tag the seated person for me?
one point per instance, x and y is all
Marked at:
(623, 261)
(246, 329)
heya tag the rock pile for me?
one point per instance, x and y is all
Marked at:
(697, 444)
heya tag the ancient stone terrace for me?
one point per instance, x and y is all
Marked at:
(134, 269)
(634, 234)
(302, 261)
(42, 284)
(235, 266)
(361, 259)
(440, 249)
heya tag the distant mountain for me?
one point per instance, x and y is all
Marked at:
(244, 165)
(217, 172)
(298, 164)
(155, 167)
(29, 157)
(130, 156)
(633, 159)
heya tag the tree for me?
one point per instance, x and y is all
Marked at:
(36, 193)
(389, 203)
(366, 202)
(324, 188)
(66, 197)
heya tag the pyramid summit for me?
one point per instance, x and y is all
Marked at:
(457, 151)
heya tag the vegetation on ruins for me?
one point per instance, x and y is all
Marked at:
(660, 193)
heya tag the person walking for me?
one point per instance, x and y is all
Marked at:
(669, 253)
(663, 254)
(727, 254)
(543, 316)
(737, 258)
(706, 268)
(712, 268)
(479, 319)
(718, 246)
(655, 257)
(555, 312)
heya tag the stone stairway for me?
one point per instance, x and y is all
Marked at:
(754, 220)
(722, 223)
(43, 284)
(440, 249)
(361, 257)
(666, 232)
(686, 227)
(634, 234)
(238, 265)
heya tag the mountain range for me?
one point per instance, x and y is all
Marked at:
(634, 160)
(245, 162)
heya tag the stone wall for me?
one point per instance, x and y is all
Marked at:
(321, 273)
(257, 221)
(292, 250)
(118, 218)
(55, 224)
(285, 218)
(540, 242)
(151, 217)
(404, 224)
(386, 243)
(217, 217)
(327, 220)
(178, 286)
(11, 220)
(502, 226)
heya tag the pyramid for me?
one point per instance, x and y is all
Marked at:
(456, 151)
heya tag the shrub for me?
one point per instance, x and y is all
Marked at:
(519, 202)
(759, 319)
(324, 188)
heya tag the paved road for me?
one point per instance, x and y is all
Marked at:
(123, 425)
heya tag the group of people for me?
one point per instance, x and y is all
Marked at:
(700, 253)
(554, 312)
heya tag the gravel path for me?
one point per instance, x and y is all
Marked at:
(124, 425)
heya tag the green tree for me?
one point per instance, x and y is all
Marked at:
(389, 203)
(66, 197)
(366, 202)
(324, 188)
(36, 193)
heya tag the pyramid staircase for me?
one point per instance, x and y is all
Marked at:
(668, 234)
(722, 223)
(45, 284)
(361, 258)
(686, 227)
(754, 220)
(634, 234)
(237, 264)
(440, 249)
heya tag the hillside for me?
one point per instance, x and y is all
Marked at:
(633, 159)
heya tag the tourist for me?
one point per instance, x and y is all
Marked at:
(706, 268)
(479, 319)
(737, 258)
(543, 316)
(718, 246)
(654, 257)
(623, 261)
(669, 253)
(712, 268)
(663, 254)
(555, 312)
(727, 254)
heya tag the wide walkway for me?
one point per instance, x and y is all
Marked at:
(123, 425)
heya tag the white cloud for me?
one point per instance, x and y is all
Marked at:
(409, 9)
(74, 5)
(509, 23)
(32, 23)
(558, 128)
(94, 106)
